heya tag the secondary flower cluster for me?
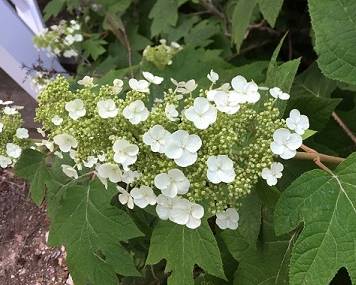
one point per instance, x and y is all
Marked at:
(195, 152)
(61, 39)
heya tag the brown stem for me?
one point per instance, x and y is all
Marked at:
(344, 127)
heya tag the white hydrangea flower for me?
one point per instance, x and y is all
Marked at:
(172, 183)
(220, 169)
(90, 162)
(1, 127)
(164, 206)
(297, 122)
(226, 101)
(195, 215)
(57, 120)
(102, 157)
(22, 133)
(139, 85)
(202, 113)
(87, 81)
(10, 111)
(4, 103)
(228, 219)
(5, 161)
(69, 171)
(156, 138)
(78, 37)
(65, 142)
(285, 143)
(248, 91)
(272, 174)
(125, 152)
(130, 176)
(143, 196)
(118, 85)
(13, 150)
(186, 213)
(136, 112)
(152, 78)
(125, 198)
(69, 40)
(70, 53)
(75, 108)
(171, 112)
(277, 93)
(183, 147)
(185, 87)
(107, 109)
(213, 76)
(109, 171)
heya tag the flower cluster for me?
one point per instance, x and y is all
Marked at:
(196, 152)
(62, 39)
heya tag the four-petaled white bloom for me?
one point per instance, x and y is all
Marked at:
(172, 183)
(22, 133)
(213, 76)
(226, 101)
(90, 162)
(139, 85)
(87, 81)
(143, 196)
(297, 122)
(272, 174)
(171, 112)
(70, 53)
(136, 112)
(248, 91)
(107, 108)
(109, 171)
(202, 113)
(220, 169)
(285, 143)
(125, 152)
(69, 171)
(65, 142)
(185, 87)
(4, 161)
(69, 40)
(164, 206)
(125, 198)
(57, 120)
(118, 84)
(152, 78)
(156, 137)
(13, 150)
(277, 93)
(130, 176)
(10, 110)
(183, 147)
(75, 108)
(228, 219)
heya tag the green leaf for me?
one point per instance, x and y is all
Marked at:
(53, 8)
(270, 10)
(241, 19)
(335, 39)
(91, 230)
(326, 205)
(200, 34)
(94, 47)
(183, 248)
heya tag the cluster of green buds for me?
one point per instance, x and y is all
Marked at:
(62, 39)
(161, 55)
(195, 151)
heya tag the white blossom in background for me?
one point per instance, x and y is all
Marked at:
(65, 142)
(69, 171)
(117, 87)
(248, 91)
(220, 169)
(271, 175)
(109, 171)
(4, 161)
(228, 219)
(125, 153)
(297, 122)
(136, 112)
(69, 40)
(183, 147)
(226, 101)
(164, 206)
(152, 78)
(107, 109)
(139, 85)
(78, 37)
(171, 112)
(130, 176)
(185, 87)
(87, 81)
(172, 183)
(143, 196)
(70, 53)
(285, 143)
(22, 133)
(202, 113)
(4, 103)
(57, 120)
(277, 93)
(90, 162)
(13, 150)
(10, 111)
(75, 108)
(1, 127)
(156, 138)
(213, 76)
(125, 198)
